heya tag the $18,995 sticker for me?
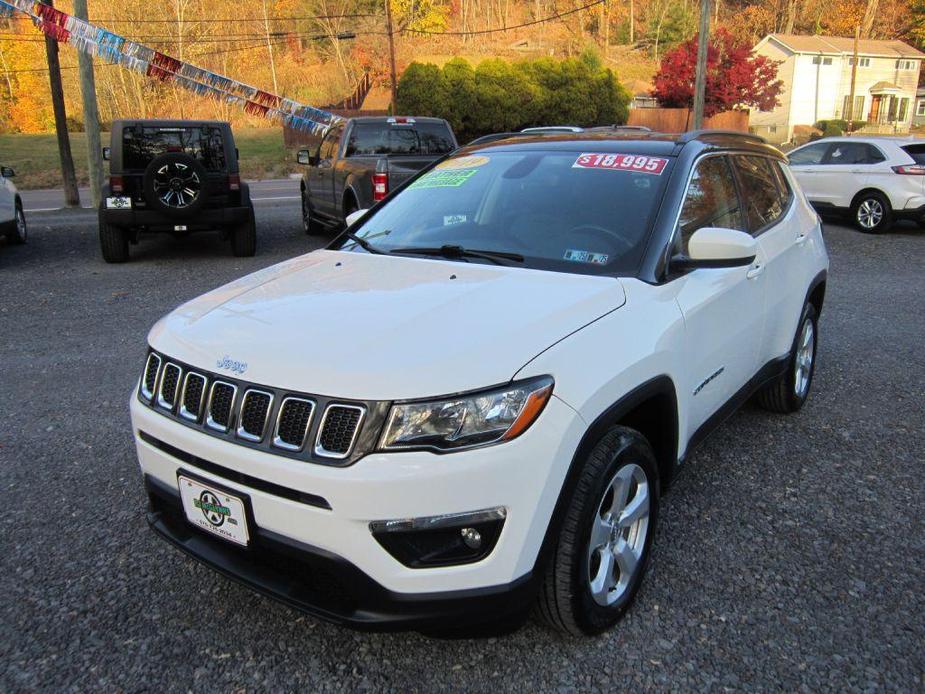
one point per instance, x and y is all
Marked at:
(621, 162)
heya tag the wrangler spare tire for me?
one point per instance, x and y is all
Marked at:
(175, 184)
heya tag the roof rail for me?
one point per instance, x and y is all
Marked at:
(497, 136)
(700, 134)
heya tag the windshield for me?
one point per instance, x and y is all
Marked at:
(578, 212)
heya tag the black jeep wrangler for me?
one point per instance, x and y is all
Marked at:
(175, 177)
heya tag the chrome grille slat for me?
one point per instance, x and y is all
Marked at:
(293, 423)
(192, 396)
(255, 412)
(169, 386)
(149, 379)
(220, 410)
(338, 430)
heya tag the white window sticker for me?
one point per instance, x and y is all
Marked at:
(585, 257)
(621, 162)
(449, 219)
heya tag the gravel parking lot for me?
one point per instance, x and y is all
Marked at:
(790, 554)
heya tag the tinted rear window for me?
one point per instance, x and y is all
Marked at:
(917, 152)
(141, 144)
(368, 139)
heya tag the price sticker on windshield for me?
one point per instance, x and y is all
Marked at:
(621, 162)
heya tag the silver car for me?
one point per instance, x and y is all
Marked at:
(12, 217)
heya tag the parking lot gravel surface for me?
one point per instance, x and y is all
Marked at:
(790, 553)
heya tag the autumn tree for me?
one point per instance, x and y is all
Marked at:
(736, 78)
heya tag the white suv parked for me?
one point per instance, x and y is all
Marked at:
(12, 217)
(875, 180)
(469, 405)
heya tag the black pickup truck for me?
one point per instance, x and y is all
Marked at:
(359, 160)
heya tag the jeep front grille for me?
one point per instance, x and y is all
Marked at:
(339, 428)
(221, 402)
(262, 417)
(170, 384)
(295, 414)
(194, 391)
(255, 411)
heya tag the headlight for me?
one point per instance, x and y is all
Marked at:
(472, 419)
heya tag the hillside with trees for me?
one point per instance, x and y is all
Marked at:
(315, 51)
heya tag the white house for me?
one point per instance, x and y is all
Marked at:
(816, 71)
(918, 117)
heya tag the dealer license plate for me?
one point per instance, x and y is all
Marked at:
(214, 510)
(119, 202)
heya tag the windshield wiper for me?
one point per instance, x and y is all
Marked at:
(365, 245)
(449, 251)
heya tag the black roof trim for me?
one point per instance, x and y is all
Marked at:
(708, 133)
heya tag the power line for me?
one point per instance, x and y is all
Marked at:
(214, 20)
(477, 32)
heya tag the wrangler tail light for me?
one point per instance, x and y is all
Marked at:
(380, 186)
(117, 184)
(910, 169)
(234, 182)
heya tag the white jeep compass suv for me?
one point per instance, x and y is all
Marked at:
(469, 404)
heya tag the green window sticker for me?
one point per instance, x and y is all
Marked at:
(444, 179)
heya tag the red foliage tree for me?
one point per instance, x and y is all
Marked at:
(736, 78)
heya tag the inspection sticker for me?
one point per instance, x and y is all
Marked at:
(472, 161)
(443, 179)
(621, 162)
(585, 257)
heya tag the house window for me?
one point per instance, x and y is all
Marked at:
(920, 108)
(905, 65)
(819, 60)
(903, 109)
(862, 62)
(858, 112)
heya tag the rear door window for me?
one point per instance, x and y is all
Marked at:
(852, 153)
(371, 139)
(711, 201)
(761, 192)
(141, 144)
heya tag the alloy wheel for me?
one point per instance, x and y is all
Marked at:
(21, 230)
(177, 185)
(870, 213)
(803, 366)
(618, 535)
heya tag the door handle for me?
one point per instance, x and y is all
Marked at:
(754, 271)
(800, 240)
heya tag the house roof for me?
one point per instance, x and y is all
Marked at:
(841, 45)
(885, 87)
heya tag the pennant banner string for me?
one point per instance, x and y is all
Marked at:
(94, 40)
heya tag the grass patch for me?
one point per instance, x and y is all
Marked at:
(35, 157)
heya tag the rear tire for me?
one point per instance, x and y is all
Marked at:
(788, 392)
(113, 242)
(244, 237)
(590, 580)
(872, 213)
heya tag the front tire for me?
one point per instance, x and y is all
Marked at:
(604, 543)
(788, 392)
(872, 213)
(113, 242)
(310, 225)
(18, 233)
(244, 237)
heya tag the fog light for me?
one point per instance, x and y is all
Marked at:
(458, 538)
(472, 537)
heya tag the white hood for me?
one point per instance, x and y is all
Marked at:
(373, 327)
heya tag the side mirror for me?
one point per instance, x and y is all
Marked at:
(107, 152)
(7, 172)
(716, 247)
(305, 158)
(354, 217)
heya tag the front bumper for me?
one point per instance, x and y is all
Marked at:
(300, 548)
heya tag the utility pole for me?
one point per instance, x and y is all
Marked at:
(700, 83)
(849, 116)
(266, 29)
(71, 195)
(388, 21)
(91, 113)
